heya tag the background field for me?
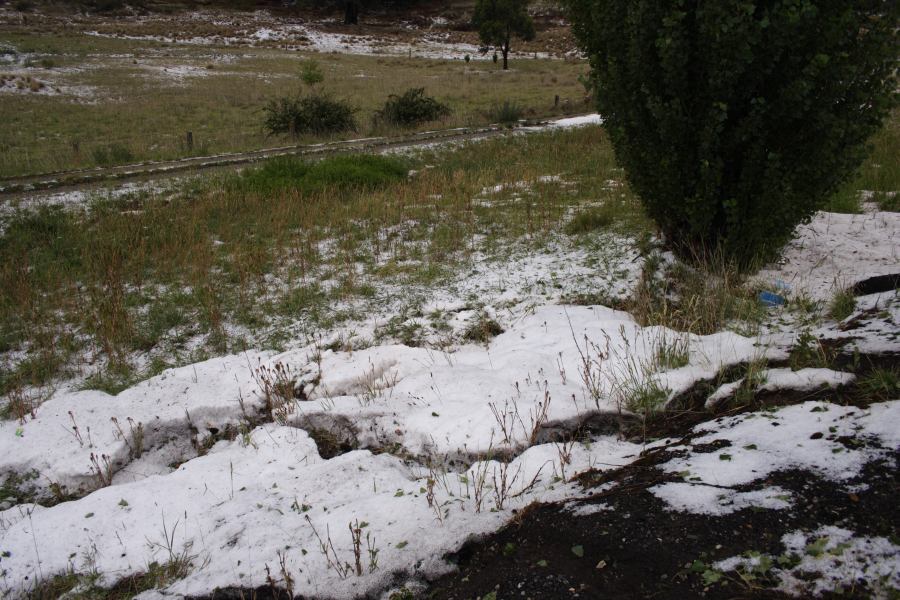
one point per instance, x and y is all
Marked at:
(121, 101)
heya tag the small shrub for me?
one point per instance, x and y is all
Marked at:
(316, 114)
(842, 305)
(411, 108)
(311, 73)
(506, 113)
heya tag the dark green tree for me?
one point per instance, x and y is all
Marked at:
(499, 20)
(735, 120)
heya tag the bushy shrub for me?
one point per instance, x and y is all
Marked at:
(506, 113)
(315, 113)
(361, 171)
(411, 108)
(735, 120)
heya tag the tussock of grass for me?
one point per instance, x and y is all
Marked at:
(842, 305)
(698, 300)
(505, 112)
(356, 172)
(590, 220)
(881, 384)
(846, 200)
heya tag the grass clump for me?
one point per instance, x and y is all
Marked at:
(357, 172)
(590, 220)
(316, 113)
(881, 384)
(846, 200)
(701, 300)
(113, 154)
(842, 305)
(808, 352)
(411, 108)
(506, 113)
(482, 329)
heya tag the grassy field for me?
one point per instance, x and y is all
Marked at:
(133, 285)
(124, 100)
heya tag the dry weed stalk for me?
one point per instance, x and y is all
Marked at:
(101, 467)
(134, 440)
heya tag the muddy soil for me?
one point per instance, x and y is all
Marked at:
(637, 548)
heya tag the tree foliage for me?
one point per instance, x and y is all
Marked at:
(735, 120)
(499, 20)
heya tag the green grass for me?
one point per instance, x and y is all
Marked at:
(589, 220)
(355, 173)
(842, 305)
(846, 200)
(881, 384)
(879, 176)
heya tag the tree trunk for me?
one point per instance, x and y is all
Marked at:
(505, 49)
(351, 13)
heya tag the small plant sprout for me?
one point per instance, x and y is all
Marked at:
(76, 433)
(564, 450)
(326, 546)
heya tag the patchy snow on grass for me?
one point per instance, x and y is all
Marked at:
(803, 380)
(754, 445)
(831, 560)
(79, 198)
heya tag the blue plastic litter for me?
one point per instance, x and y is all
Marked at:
(771, 299)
